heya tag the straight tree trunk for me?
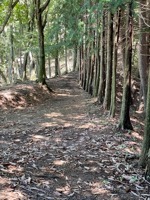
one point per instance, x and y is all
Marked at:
(49, 67)
(97, 58)
(85, 52)
(25, 66)
(143, 50)
(125, 122)
(115, 52)
(107, 98)
(40, 25)
(146, 140)
(57, 66)
(88, 53)
(92, 67)
(101, 89)
(11, 60)
(145, 153)
(66, 59)
(75, 58)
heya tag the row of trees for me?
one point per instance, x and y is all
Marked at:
(114, 30)
(100, 33)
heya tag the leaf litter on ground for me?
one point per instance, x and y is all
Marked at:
(45, 154)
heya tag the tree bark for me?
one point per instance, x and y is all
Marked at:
(146, 140)
(143, 50)
(115, 52)
(125, 122)
(101, 89)
(41, 24)
(107, 98)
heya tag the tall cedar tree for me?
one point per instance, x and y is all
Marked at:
(125, 122)
(143, 48)
(107, 98)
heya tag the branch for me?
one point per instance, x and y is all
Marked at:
(11, 6)
(44, 6)
(45, 19)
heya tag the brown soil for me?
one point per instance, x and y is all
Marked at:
(64, 146)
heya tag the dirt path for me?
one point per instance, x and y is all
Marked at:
(64, 148)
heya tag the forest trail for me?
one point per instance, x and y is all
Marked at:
(65, 148)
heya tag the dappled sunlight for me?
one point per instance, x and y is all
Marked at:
(87, 125)
(54, 124)
(65, 190)
(98, 188)
(59, 162)
(77, 117)
(53, 114)
(4, 142)
(129, 150)
(137, 121)
(67, 95)
(65, 147)
(36, 138)
(135, 150)
(137, 135)
(4, 181)
(12, 168)
(10, 194)
(58, 140)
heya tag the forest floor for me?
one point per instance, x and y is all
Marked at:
(63, 146)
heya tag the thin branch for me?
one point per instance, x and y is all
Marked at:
(45, 19)
(11, 6)
(44, 6)
(144, 20)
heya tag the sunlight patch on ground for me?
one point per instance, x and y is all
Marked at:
(67, 95)
(39, 138)
(59, 123)
(4, 142)
(65, 190)
(7, 94)
(59, 162)
(13, 168)
(97, 188)
(53, 114)
(10, 194)
(77, 116)
(136, 135)
(4, 181)
(58, 140)
(137, 121)
(88, 125)
(128, 150)
(92, 100)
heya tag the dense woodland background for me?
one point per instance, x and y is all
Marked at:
(106, 41)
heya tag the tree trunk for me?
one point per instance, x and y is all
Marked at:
(125, 122)
(40, 25)
(97, 57)
(49, 67)
(107, 98)
(115, 51)
(143, 50)
(66, 59)
(75, 58)
(145, 154)
(11, 61)
(101, 90)
(57, 66)
(42, 73)
(146, 140)
(25, 66)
